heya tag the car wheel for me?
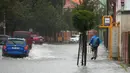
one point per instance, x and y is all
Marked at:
(26, 55)
(41, 43)
(4, 55)
(30, 47)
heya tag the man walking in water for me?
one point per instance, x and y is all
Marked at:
(94, 42)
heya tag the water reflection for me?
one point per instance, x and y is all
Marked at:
(82, 70)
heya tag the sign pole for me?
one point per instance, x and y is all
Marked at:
(107, 22)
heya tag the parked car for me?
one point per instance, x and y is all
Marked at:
(26, 35)
(15, 47)
(38, 40)
(74, 39)
(3, 38)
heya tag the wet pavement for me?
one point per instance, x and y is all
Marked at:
(58, 59)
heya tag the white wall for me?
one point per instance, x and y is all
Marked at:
(125, 22)
(118, 5)
(124, 19)
(127, 5)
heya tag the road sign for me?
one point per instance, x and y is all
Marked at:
(107, 21)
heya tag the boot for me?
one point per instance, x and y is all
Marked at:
(92, 58)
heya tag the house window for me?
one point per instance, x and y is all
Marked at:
(122, 2)
(122, 5)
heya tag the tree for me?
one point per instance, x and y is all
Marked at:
(83, 20)
(6, 11)
(44, 16)
(68, 19)
(87, 16)
(48, 17)
(37, 14)
(58, 4)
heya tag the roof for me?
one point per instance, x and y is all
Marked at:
(16, 39)
(78, 1)
(68, 4)
(22, 31)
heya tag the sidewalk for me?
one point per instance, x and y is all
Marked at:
(102, 64)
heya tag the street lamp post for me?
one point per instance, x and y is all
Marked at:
(4, 26)
(107, 2)
(106, 41)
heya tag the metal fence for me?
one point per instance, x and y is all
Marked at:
(126, 47)
(89, 51)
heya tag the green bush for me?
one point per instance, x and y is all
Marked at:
(83, 20)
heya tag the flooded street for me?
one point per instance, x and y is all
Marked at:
(57, 59)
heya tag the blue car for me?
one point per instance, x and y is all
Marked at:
(15, 47)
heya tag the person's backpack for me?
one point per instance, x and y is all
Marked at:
(95, 42)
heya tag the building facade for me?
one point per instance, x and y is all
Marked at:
(123, 16)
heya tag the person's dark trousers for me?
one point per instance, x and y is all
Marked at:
(94, 53)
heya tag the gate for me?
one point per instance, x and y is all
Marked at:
(129, 48)
(126, 47)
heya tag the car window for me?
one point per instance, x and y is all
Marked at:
(73, 36)
(3, 39)
(20, 35)
(20, 42)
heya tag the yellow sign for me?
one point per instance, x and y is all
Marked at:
(106, 22)
(113, 37)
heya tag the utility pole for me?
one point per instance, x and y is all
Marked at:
(107, 2)
(107, 31)
(4, 26)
